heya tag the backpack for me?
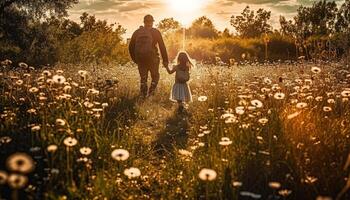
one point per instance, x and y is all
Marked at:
(144, 49)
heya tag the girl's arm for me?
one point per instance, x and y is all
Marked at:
(172, 70)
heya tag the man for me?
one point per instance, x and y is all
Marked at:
(144, 53)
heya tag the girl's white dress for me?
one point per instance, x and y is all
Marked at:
(180, 91)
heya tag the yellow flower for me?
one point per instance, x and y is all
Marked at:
(17, 181)
(132, 172)
(279, 95)
(257, 103)
(3, 177)
(225, 141)
(327, 109)
(52, 148)
(274, 185)
(60, 122)
(85, 151)
(23, 65)
(316, 70)
(202, 98)
(207, 174)
(58, 79)
(120, 154)
(70, 141)
(33, 90)
(20, 162)
(301, 105)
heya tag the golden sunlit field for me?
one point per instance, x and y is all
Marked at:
(254, 131)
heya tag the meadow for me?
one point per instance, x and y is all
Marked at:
(253, 131)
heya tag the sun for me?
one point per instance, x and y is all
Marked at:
(185, 6)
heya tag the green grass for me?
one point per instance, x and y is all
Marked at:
(302, 149)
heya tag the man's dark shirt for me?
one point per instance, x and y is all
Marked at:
(157, 39)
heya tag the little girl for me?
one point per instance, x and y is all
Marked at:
(180, 91)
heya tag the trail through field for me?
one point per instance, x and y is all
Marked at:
(162, 128)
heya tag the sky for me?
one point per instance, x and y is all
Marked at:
(130, 13)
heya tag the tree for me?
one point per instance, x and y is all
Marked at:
(343, 18)
(203, 27)
(287, 27)
(38, 8)
(319, 19)
(168, 25)
(226, 33)
(249, 24)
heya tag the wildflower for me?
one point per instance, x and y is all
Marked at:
(319, 98)
(33, 90)
(85, 151)
(67, 88)
(3, 177)
(327, 109)
(104, 105)
(59, 79)
(88, 104)
(60, 122)
(250, 194)
(231, 120)
(5, 140)
(93, 91)
(267, 80)
(23, 65)
(19, 82)
(257, 103)
(20, 162)
(301, 105)
(240, 110)
(207, 174)
(82, 73)
(52, 148)
(316, 70)
(46, 73)
(310, 179)
(185, 153)
(345, 93)
(225, 141)
(202, 98)
(263, 121)
(331, 101)
(120, 154)
(17, 181)
(36, 128)
(279, 95)
(284, 192)
(265, 90)
(274, 185)
(59, 71)
(70, 141)
(323, 198)
(237, 184)
(132, 172)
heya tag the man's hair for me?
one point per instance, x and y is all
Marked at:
(148, 18)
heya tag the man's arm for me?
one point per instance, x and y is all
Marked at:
(132, 47)
(162, 48)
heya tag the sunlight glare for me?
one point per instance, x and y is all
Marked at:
(183, 6)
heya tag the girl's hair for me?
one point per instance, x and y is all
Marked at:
(183, 59)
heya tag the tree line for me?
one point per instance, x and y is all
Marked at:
(40, 33)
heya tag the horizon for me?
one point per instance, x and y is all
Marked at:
(219, 11)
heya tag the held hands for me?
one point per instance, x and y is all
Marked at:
(166, 66)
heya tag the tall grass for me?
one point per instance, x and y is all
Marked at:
(268, 132)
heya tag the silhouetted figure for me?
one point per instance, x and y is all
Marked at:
(144, 53)
(181, 91)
